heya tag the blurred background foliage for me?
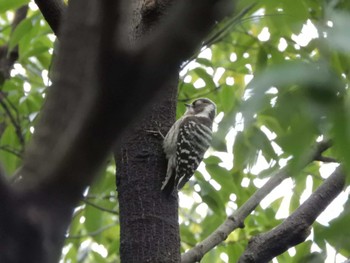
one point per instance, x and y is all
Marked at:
(279, 74)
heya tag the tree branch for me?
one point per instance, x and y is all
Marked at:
(236, 220)
(15, 124)
(100, 207)
(98, 90)
(92, 234)
(68, 137)
(7, 148)
(326, 159)
(53, 11)
(296, 228)
(171, 49)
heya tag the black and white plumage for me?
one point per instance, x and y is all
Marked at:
(186, 142)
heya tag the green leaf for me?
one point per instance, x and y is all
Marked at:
(11, 4)
(212, 198)
(71, 255)
(240, 152)
(204, 62)
(340, 132)
(261, 141)
(211, 257)
(227, 97)
(209, 83)
(21, 30)
(212, 160)
(338, 233)
(187, 235)
(283, 76)
(261, 60)
(9, 140)
(93, 220)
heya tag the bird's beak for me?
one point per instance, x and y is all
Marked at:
(188, 105)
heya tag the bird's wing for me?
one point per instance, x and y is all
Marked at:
(193, 141)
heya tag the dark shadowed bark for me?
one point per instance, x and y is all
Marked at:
(53, 11)
(100, 88)
(149, 229)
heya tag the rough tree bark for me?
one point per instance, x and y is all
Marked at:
(149, 229)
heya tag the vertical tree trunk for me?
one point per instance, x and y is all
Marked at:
(149, 230)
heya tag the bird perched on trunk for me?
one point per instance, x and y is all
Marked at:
(186, 142)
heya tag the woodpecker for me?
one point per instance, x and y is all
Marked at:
(186, 142)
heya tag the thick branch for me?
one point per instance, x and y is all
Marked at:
(78, 139)
(236, 220)
(177, 38)
(53, 11)
(20, 14)
(296, 228)
(87, 110)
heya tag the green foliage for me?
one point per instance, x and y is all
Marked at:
(23, 93)
(94, 232)
(337, 234)
(281, 101)
(278, 89)
(10, 5)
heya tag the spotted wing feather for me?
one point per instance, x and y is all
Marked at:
(193, 141)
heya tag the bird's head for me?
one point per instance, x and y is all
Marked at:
(202, 107)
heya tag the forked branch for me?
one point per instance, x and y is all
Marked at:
(236, 220)
(296, 228)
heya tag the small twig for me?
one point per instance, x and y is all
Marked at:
(14, 122)
(91, 234)
(225, 30)
(100, 207)
(20, 15)
(215, 36)
(14, 108)
(326, 159)
(323, 146)
(108, 197)
(8, 149)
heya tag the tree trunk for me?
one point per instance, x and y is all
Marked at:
(149, 229)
